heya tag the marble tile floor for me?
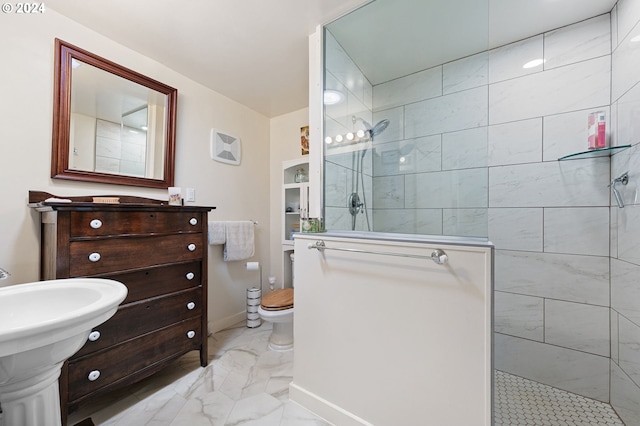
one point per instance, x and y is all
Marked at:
(519, 401)
(245, 383)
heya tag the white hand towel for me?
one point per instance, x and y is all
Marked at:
(217, 232)
(239, 243)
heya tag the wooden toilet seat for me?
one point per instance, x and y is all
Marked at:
(278, 300)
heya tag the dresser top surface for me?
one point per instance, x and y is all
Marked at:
(42, 201)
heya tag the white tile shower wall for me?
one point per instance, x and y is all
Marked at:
(519, 315)
(625, 253)
(625, 396)
(515, 143)
(569, 277)
(588, 235)
(516, 228)
(577, 326)
(466, 73)
(413, 88)
(549, 220)
(564, 89)
(578, 42)
(448, 113)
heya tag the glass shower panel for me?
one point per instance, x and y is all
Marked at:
(348, 142)
(406, 116)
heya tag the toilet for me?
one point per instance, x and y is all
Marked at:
(277, 308)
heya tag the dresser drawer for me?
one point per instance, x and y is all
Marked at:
(101, 223)
(135, 319)
(131, 356)
(158, 280)
(93, 257)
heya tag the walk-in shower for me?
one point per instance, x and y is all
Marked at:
(467, 144)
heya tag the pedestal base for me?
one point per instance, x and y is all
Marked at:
(35, 401)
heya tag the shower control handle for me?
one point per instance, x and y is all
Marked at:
(439, 256)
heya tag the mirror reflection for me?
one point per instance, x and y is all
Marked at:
(117, 126)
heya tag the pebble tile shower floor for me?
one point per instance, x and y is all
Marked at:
(520, 402)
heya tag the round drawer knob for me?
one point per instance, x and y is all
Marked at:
(191, 247)
(94, 257)
(95, 223)
(94, 335)
(191, 305)
(190, 275)
(93, 376)
(193, 221)
(191, 334)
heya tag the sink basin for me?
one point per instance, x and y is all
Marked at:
(41, 325)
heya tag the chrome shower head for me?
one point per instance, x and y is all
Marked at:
(379, 127)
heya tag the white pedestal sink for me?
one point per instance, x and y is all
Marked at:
(41, 325)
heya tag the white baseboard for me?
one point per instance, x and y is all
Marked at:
(322, 408)
(221, 324)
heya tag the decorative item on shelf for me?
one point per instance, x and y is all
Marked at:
(304, 140)
(106, 200)
(312, 225)
(175, 197)
(295, 227)
(300, 176)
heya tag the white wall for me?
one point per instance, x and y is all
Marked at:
(285, 145)
(384, 340)
(26, 82)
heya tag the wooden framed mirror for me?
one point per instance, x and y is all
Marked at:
(110, 124)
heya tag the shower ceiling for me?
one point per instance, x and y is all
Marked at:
(388, 39)
(255, 51)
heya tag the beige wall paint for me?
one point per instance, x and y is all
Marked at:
(26, 83)
(285, 145)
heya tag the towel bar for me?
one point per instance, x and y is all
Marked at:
(438, 255)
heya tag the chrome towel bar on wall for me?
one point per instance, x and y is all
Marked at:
(438, 255)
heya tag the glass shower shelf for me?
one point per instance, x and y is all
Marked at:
(593, 153)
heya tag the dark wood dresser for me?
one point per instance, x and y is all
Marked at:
(160, 253)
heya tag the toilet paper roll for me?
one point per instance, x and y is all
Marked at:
(254, 293)
(253, 316)
(253, 266)
(252, 309)
(253, 323)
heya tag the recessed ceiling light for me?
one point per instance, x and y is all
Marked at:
(332, 97)
(534, 63)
